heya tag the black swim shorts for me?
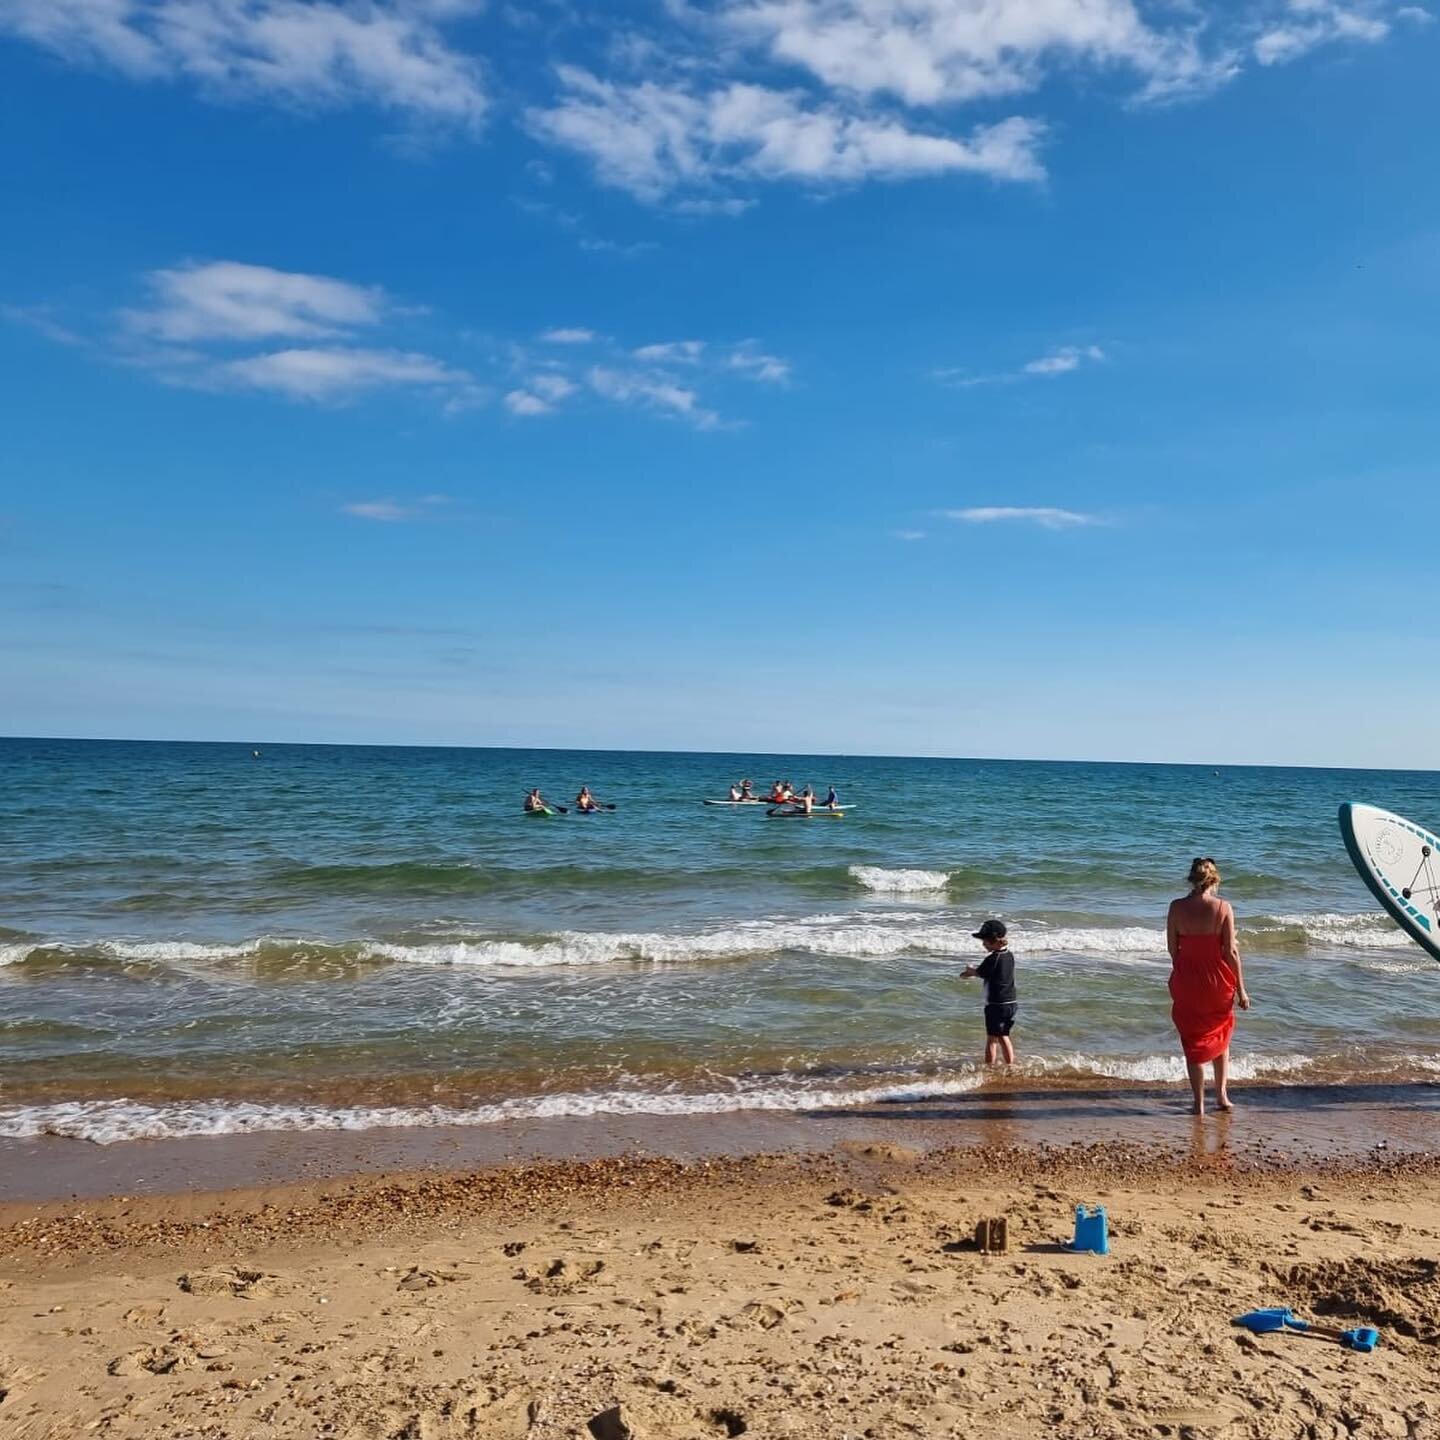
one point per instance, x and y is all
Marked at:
(1000, 1019)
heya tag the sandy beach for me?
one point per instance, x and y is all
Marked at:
(827, 1295)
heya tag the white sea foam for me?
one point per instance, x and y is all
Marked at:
(1369, 930)
(107, 1121)
(899, 882)
(1160, 1068)
(872, 935)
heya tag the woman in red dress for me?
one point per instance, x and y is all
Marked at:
(1206, 982)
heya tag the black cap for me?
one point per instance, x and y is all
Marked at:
(991, 930)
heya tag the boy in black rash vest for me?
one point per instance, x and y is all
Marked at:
(997, 970)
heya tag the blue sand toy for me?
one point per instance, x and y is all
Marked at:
(1267, 1322)
(1092, 1229)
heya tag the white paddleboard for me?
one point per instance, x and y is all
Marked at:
(741, 804)
(1400, 862)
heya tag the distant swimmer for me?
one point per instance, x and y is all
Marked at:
(534, 803)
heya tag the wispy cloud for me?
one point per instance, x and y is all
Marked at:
(1302, 25)
(1064, 361)
(392, 512)
(228, 300)
(754, 364)
(540, 395)
(390, 54)
(652, 391)
(40, 319)
(683, 352)
(222, 325)
(655, 140)
(1048, 517)
(908, 535)
(330, 374)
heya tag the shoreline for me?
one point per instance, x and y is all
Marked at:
(1273, 1125)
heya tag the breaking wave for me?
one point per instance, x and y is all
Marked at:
(900, 882)
(863, 936)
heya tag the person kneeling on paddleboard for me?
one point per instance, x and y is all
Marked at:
(831, 799)
(585, 801)
(997, 970)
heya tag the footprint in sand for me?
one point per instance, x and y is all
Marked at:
(231, 1280)
(561, 1275)
(764, 1314)
(659, 1418)
(417, 1278)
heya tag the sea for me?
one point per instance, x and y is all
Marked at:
(209, 939)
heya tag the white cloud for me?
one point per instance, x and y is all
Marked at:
(392, 510)
(541, 393)
(931, 52)
(552, 386)
(909, 535)
(653, 391)
(388, 53)
(1046, 516)
(377, 510)
(1305, 24)
(523, 402)
(227, 300)
(683, 352)
(568, 336)
(1064, 361)
(653, 139)
(755, 365)
(337, 372)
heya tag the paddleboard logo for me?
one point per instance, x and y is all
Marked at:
(1397, 859)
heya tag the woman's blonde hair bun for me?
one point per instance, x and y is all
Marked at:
(1204, 873)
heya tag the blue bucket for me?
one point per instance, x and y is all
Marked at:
(1092, 1229)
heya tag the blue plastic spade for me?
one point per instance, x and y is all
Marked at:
(1266, 1322)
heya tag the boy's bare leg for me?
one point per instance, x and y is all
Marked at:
(992, 1049)
(1196, 1074)
(1007, 1050)
(1222, 1081)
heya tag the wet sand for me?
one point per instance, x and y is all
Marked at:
(1272, 1123)
(809, 1296)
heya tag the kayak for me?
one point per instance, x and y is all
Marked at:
(541, 814)
(820, 812)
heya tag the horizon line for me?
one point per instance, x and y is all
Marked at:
(1215, 765)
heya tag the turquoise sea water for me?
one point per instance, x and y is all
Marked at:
(197, 940)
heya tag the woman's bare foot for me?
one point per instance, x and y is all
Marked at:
(1223, 1102)
(1198, 1109)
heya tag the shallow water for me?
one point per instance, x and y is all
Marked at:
(197, 940)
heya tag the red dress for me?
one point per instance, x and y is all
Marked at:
(1202, 987)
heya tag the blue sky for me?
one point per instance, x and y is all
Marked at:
(984, 377)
